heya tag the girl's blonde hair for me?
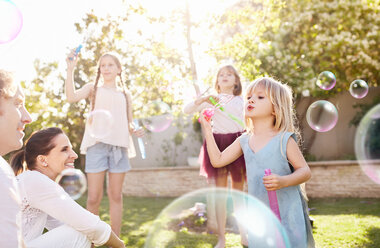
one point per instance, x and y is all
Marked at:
(119, 82)
(237, 87)
(281, 97)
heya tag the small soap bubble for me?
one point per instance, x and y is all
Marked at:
(100, 123)
(326, 80)
(358, 88)
(322, 116)
(159, 116)
(73, 181)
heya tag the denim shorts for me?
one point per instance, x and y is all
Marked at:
(102, 157)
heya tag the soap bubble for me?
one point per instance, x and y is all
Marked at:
(100, 123)
(183, 223)
(73, 181)
(358, 88)
(11, 21)
(322, 116)
(159, 116)
(367, 144)
(326, 80)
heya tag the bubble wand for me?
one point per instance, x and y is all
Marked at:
(273, 203)
(140, 141)
(220, 106)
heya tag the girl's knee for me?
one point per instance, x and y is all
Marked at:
(115, 196)
(94, 199)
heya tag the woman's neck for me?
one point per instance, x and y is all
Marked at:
(46, 172)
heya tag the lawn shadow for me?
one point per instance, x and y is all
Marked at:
(373, 235)
(333, 206)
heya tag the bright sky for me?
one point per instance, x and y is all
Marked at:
(48, 29)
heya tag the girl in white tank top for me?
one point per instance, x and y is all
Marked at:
(107, 138)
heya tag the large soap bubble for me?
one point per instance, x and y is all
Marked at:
(11, 21)
(73, 181)
(322, 116)
(183, 223)
(367, 144)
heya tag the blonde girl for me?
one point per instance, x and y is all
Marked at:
(271, 142)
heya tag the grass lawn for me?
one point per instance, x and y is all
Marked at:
(338, 222)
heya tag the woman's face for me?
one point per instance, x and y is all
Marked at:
(61, 156)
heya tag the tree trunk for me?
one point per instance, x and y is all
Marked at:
(190, 50)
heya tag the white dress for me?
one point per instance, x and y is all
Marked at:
(44, 204)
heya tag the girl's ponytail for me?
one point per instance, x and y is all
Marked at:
(17, 162)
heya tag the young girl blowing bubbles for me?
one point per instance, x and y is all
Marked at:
(105, 152)
(225, 131)
(270, 143)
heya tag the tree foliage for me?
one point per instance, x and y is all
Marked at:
(295, 40)
(149, 69)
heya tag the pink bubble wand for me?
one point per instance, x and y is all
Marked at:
(273, 203)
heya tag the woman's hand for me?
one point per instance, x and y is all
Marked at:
(273, 182)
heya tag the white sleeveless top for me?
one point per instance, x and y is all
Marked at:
(116, 131)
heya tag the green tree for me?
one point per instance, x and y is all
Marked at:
(149, 69)
(295, 40)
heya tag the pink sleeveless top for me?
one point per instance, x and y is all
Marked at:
(116, 132)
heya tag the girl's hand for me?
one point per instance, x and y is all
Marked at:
(71, 60)
(139, 132)
(205, 124)
(273, 182)
(203, 99)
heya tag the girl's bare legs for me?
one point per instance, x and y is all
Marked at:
(239, 203)
(95, 183)
(114, 190)
(221, 209)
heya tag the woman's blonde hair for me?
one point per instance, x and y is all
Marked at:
(281, 97)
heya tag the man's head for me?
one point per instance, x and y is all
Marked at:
(13, 114)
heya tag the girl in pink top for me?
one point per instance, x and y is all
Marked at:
(108, 149)
(225, 131)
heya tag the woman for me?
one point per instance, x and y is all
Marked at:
(46, 205)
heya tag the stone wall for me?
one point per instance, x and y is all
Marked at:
(329, 179)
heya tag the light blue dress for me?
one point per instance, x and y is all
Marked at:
(293, 208)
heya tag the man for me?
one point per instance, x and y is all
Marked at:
(13, 118)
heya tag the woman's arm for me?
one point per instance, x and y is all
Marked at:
(219, 159)
(114, 241)
(301, 172)
(46, 195)
(73, 95)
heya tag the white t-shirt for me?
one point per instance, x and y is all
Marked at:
(222, 123)
(41, 197)
(10, 214)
